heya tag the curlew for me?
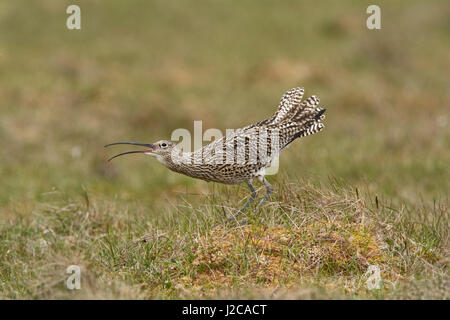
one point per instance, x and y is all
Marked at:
(243, 154)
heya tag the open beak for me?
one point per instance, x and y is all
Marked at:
(148, 145)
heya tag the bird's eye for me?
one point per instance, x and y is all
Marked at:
(163, 144)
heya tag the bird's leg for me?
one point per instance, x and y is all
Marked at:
(246, 204)
(269, 189)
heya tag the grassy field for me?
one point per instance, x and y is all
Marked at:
(371, 189)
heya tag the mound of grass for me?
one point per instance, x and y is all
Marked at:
(324, 237)
(272, 255)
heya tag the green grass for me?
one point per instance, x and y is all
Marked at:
(372, 188)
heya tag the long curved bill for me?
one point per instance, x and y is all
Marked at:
(148, 145)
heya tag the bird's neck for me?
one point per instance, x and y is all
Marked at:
(183, 164)
(173, 162)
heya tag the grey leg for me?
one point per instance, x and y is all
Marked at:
(268, 192)
(247, 203)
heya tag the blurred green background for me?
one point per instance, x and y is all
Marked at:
(139, 69)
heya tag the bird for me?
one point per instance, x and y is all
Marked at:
(242, 154)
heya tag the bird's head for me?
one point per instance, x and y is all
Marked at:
(162, 149)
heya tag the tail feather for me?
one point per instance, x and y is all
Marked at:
(320, 115)
(309, 129)
(295, 118)
(306, 119)
(289, 103)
